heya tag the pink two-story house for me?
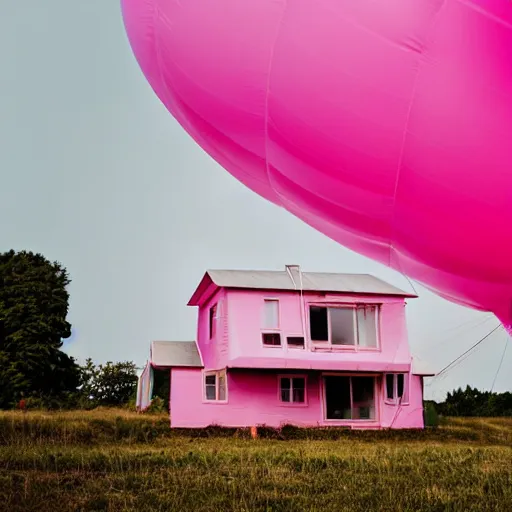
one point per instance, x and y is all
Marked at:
(292, 347)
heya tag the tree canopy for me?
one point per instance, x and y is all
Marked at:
(34, 303)
(111, 384)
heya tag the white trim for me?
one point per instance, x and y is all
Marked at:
(291, 377)
(396, 400)
(217, 374)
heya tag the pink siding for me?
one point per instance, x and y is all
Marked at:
(214, 351)
(245, 328)
(253, 400)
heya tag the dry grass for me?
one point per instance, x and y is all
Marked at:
(115, 460)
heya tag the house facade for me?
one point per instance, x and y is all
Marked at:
(293, 347)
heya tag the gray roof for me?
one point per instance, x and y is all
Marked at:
(175, 353)
(420, 367)
(311, 281)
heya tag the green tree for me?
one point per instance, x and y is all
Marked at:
(110, 384)
(33, 307)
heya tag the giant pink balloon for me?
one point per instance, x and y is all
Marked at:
(385, 124)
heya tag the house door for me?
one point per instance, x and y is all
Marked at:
(349, 397)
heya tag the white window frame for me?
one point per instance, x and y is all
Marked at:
(217, 374)
(291, 377)
(359, 420)
(266, 331)
(396, 400)
(295, 347)
(212, 321)
(356, 347)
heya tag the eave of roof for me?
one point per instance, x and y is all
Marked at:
(343, 284)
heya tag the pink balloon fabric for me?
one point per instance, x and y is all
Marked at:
(385, 124)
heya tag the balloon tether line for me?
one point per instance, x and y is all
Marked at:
(468, 350)
(501, 362)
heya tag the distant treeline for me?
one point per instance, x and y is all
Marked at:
(472, 402)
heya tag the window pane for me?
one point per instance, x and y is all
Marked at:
(213, 315)
(298, 396)
(400, 385)
(271, 314)
(318, 324)
(342, 326)
(272, 339)
(210, 387)
(337, 397)
(222, 387)
(390, 391)
(363, 398)
(295, 341)
(367, 326)
(285, 384)
(299, 385)
(210, 392)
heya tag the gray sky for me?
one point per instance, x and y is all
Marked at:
(96, 174)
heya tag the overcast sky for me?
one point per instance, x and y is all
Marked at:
(96, 174)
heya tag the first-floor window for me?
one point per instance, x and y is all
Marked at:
(349, 397)
(212, 319)
(292, 390)
(396, 388)
(215, 386)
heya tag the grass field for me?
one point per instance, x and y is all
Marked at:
(115, 460)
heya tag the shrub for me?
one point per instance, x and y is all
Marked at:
(431, 417)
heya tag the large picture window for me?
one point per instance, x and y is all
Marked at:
(212, 321)
(349, 398)
(345, 326)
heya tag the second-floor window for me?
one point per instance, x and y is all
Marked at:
(212, 321)
(344, 326)
(271, 314)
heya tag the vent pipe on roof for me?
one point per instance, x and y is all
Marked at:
(289, 270)
(297, 268)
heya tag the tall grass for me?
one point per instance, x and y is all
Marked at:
(115, 460)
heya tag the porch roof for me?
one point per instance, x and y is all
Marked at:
(166, 354)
